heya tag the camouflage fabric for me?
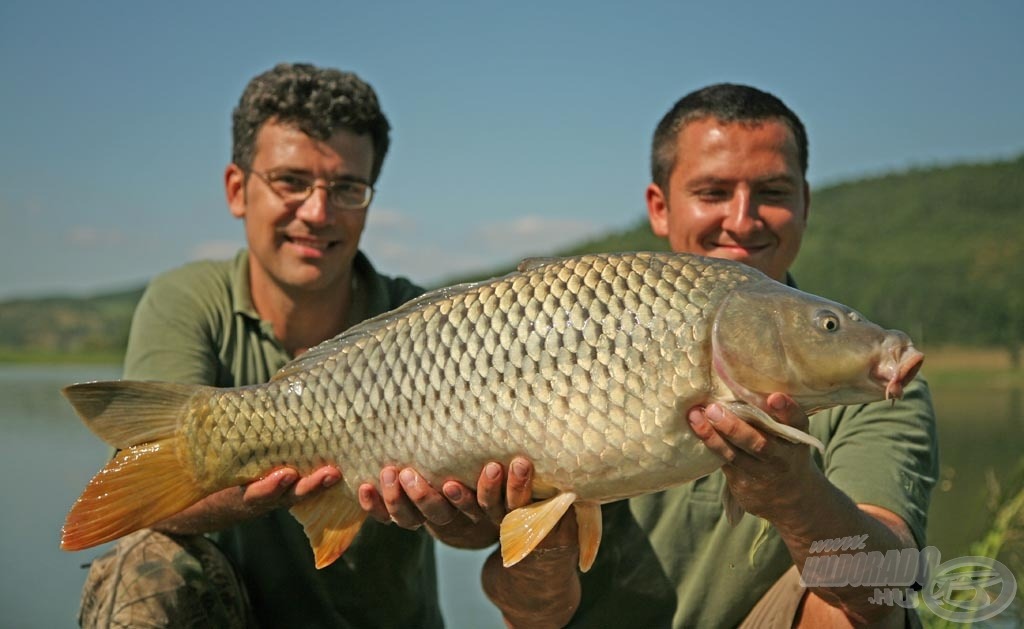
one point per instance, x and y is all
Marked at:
(151, 579)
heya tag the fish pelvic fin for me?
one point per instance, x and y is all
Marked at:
(523, 528)
(588, 521)
(146, 480)
(331, 520)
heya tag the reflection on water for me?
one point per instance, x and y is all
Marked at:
(47, 455)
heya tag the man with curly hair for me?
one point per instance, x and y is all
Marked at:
(308, 146)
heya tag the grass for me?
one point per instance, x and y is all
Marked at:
(29, 357)
(1004, 541)
(975, 367)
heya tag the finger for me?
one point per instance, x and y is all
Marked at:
(787, 411)
(428, 501)
(490, 491)
(400, 508)
(463, 499)
(371, 502)
(737, 432)
(270, 488)
(707, 433)
(519, 490)
(321, 478)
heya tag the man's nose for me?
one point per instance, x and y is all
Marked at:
(316, 209)
(742, 214)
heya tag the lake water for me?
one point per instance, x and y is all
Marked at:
(47, 456)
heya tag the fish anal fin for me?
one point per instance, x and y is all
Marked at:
(588, 521)
(523, 528)
(139, 486)
(331, 520)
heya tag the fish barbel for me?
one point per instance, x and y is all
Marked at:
(586, 365)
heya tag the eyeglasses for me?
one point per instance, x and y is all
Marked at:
(342, 194)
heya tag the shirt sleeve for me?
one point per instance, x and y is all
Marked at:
(886, 454)
(171, 335)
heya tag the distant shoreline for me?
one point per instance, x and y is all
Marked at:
(984, 367)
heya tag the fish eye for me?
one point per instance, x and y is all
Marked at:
(827, 321)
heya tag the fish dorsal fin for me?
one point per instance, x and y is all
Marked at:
(588, 521)
(330, 347)
(523, 528)
(529, 264)
(331, 520)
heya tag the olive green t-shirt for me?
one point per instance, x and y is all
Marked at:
(671, 559)
(197, 324)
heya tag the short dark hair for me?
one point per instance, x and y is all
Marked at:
(727, 102)
(319, 101)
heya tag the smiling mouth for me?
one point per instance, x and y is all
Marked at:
(311, 243)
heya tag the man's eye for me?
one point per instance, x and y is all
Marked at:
(712, 194)
(347, 187)
(291, 182)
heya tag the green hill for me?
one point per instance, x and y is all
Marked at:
(938, 252)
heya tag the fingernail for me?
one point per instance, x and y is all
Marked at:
(492, 470)
(409, 478)
(287, 479)
(714, 413)
(388, 477)
(519, 469)
(779, 403)
(453, 492)
(329, 480)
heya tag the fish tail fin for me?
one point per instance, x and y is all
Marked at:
(331, 520)
(146, 480)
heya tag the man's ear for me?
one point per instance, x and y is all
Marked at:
(657, 210)
(234, 190)
(807, 201)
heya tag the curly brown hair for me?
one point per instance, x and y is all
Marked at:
(319, 101)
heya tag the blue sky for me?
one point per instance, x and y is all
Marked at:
(517, 127)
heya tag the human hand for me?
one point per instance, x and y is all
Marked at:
(542, 590)
(766, 473)
(455, 515)
(284, 487)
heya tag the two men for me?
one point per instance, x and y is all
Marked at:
(729, 167)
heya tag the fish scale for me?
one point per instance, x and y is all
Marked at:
(586, 365)
(575, 339)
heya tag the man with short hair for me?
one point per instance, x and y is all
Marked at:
(729, 167)
(308, 147)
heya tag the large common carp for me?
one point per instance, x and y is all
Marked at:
(585, 365)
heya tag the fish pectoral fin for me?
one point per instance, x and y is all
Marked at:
(763, 419)
(525, 527)
(588, 521)
(331, 520)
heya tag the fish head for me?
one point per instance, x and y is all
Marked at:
(769, 337)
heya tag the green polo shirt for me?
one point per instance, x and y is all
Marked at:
(197, 324)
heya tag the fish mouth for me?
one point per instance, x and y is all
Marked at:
(899, 365)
